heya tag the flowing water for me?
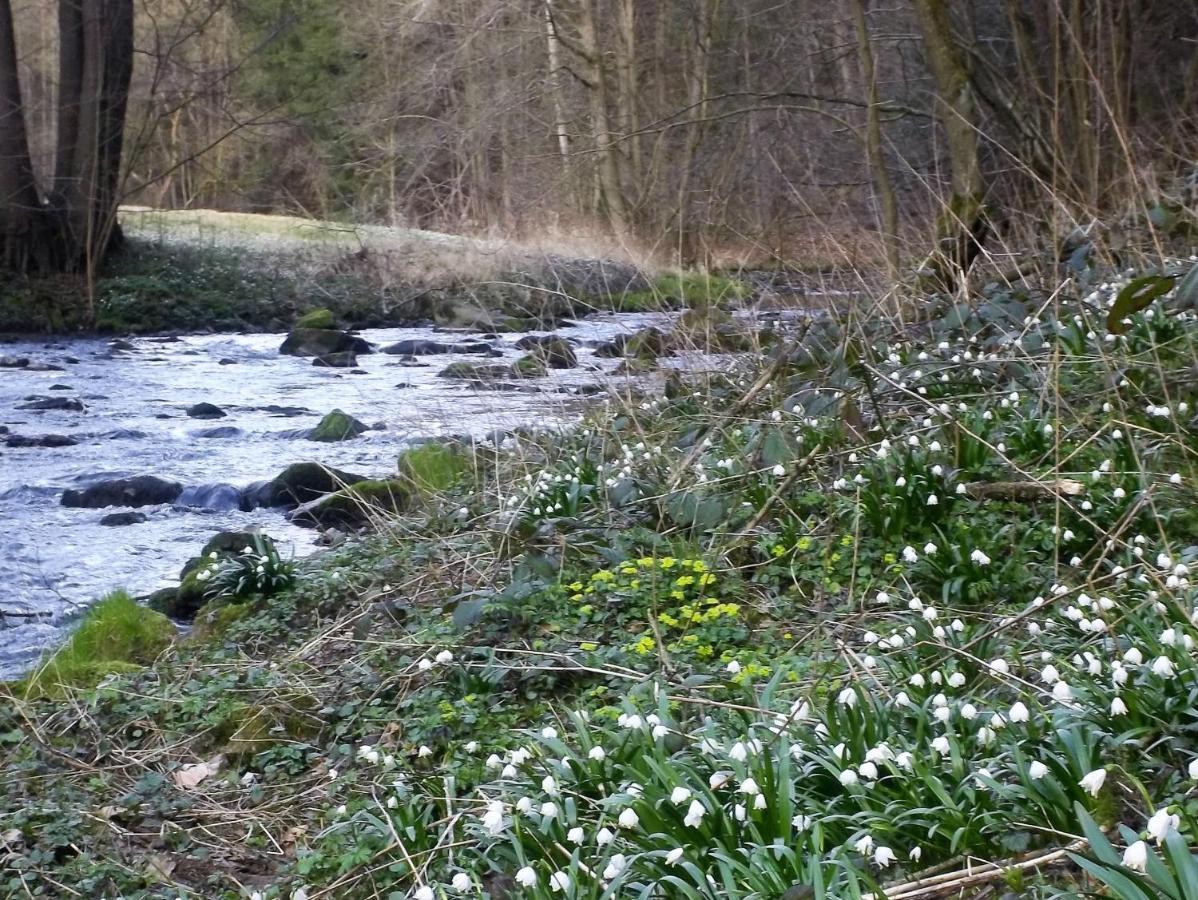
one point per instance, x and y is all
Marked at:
(55, 560)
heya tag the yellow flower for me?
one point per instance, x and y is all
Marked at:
(644, 646)
(707, 579)
(684, 580)
(576, 586)
(668, 562)
(588, 646)
(576, 597)
(804, 543)
(645, 562)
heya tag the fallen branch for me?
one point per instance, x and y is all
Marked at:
(973, 875)
(1023, 491)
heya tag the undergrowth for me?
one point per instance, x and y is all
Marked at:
(895, 610)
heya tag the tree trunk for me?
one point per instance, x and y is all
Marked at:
(962, 223)
(23, 223)
(609, 181)
(875, 155)
(76, 225)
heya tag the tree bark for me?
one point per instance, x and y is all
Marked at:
(962, 223)
(76, 225)
(875, 155)
(23, 223)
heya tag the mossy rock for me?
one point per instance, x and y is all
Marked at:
(710, 330)
(317, 318)
(433, 468)
(300, 483)
(215, 618)
(321, 342)
(636, 366)
(690, 289)
(555, 352)
(469, 371)
(115, 636)
(337, 426)
(355, 506)
(530, 366)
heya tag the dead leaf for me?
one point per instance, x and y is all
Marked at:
(12, 839)
(190, 776)
(159, 867)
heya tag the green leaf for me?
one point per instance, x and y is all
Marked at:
(1113, 878)
(1138, 294)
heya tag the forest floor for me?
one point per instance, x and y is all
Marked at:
(896, 608)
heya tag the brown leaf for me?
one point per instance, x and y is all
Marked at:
(190, 776)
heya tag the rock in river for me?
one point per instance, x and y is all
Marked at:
(40, 440)
(322, 341)
(553, 351)
(344, 360)
(206, 411)
(116, 520)
(434, 348)
(141, 490)
(337, 426)
(298, 483)
(69, 404)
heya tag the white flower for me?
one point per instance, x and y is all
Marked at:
(299, 894)
(1163, 667)
(549, 785)
(628, 818)
(884, 856)
(695, 814)
(617, 864)
(597, 753)
(444, 657)
(980, 558)
(424, 665)
(549, 809)
(848, 777)
(680, 795)
(802, 822)
(941, 745)
(424, 892)
(1135, 857)
(864, 845)
(604, 837)
(1118, 707)
(847, 697)
(1093, 781)
(673, 856)
(1193, 769)
(1161, 823)
(1037, 770)
(471, 747)
(461, 882)
(1062, 692)
(526, 877)
(779, 470)
(549, 733)
(576, 835)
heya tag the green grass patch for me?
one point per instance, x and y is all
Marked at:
(115, 636)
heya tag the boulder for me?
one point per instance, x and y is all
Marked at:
(116, 520)
(321, 319)
(530, 366)
(66, 404)
(354, 506)
(13, 362)
(434, 348)
(433, 467)
(321, 342)
(298, 484)
(555, 352)
(220, 431)
(218, 497)
(475, 371)
(40, 440)
(337, 426)
(344, 360)
(206, 411)
(141, 490)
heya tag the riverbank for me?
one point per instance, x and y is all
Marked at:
(830, 619)
(187, 272)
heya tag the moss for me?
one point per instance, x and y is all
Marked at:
(685, 289)
(337, 426)
(433, 468)
(215, 618)
(115, 635)
(355, 506)
(317, 318)
(530, 366)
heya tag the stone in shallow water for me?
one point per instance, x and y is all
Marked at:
(141, 490)
(337, 426)
(298, 483)
(206, 411)
(40, 440)
(345, 360)
(116, 520)
(67, 404)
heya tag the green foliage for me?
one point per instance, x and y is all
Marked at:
(257, 569)
(433, 468)
(116, 635)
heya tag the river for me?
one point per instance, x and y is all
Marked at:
(55, 560)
